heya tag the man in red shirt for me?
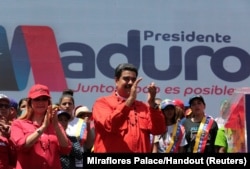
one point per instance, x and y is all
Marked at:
(122, 123)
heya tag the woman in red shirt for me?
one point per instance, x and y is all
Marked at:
(37, 134)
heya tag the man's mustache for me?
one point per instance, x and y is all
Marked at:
(127, 86)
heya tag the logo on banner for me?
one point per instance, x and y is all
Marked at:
(33, 48)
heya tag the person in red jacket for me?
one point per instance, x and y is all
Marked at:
(122, 123)
(7, 150)
(38, 137)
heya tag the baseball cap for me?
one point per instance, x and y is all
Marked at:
(4, 97)
(60, 112)
(199, 97)
(38, 90)
(13, 103)
(165, 103)
(179, 102)
(82, 109)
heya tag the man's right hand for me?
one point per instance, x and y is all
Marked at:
(133, 92)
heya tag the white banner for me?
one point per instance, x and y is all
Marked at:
(185, 47)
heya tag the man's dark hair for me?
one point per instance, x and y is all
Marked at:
(125, 66)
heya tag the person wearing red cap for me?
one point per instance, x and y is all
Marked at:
(179, 105)
(38, 136)
(179, 102)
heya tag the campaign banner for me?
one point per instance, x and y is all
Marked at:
(185, 47)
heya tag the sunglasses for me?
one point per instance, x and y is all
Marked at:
(6, 106)
(41, 99)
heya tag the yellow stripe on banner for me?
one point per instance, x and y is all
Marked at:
(198, 136)
(172, 139)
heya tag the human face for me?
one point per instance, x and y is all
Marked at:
(197, 106)
(40, 104)
(23, 105)
(169, 112)
(125, 82)
(67, 105)
(4, 109)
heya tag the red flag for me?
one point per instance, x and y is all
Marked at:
(236, 119)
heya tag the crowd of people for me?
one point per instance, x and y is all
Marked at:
(36, 133)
